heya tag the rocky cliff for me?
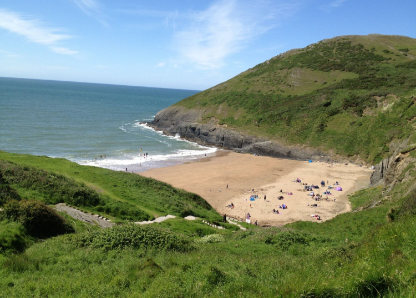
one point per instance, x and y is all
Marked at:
(189, 125)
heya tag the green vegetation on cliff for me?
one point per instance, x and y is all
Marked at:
(351, 95)
(361, 104)
(117, 195)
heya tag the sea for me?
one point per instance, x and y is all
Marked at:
(92, 124)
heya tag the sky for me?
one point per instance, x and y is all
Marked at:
(182, 44)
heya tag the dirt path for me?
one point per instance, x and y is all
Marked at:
(82, 216)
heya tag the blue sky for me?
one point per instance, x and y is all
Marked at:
(176, 44)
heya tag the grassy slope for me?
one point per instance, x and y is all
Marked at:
(352, 95)
(367, 253)
(122, 195)
(359, 254)
(364, 253)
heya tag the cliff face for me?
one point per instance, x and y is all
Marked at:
(187, 123)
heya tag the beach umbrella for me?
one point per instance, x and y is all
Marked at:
(338, 188)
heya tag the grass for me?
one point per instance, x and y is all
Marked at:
(114, 194)
(367, 253)
(346, 95)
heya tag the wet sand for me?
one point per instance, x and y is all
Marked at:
(209, 177)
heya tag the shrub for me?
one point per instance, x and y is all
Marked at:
(285, 239)
(132, 236)
(6, 192)
(213, 238)
(38, 219)
(13, 237)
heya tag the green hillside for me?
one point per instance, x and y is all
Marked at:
(352, 95)
(366, 253)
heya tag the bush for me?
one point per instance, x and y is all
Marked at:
(6, 192)
(38, 219)
(13, 237)
(132, 236)
(213, 238)
(285, 239)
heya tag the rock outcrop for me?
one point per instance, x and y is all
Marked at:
(388, 171)
(190, 125)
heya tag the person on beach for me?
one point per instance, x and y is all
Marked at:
(265, 197)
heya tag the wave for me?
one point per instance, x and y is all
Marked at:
(121, 159)
(121, 162)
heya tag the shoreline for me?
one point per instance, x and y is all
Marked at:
(209, 177)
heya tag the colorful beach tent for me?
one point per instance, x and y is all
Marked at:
(338, 188)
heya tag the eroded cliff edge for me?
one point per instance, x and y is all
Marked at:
(190, 125)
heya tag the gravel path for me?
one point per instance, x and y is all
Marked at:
(159, 219)
(85, 217)
(234, 223)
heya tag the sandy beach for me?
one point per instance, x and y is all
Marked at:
(247, 175)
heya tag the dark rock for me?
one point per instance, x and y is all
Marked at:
(190, 125)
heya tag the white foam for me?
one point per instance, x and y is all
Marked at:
(136, 160)
(125, 159)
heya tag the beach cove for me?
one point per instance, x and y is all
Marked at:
(232, 178)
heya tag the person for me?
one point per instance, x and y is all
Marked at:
(256, 223)
(126, 169)
(232, 205)
(227, 185)
(265, 197)
(225, 217)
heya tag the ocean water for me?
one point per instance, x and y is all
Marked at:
(91, 124)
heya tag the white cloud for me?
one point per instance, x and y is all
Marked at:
(225, 28)
(63, 51)
(92, 8)
(161, 64)
(34, 31)
(333, 4)
(337, 3)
